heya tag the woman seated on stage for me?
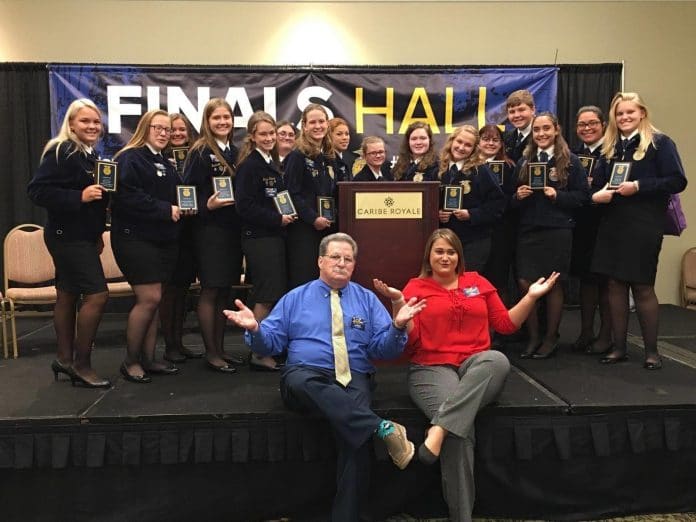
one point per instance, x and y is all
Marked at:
(453, 374)
(417, 159)
(374, 154)
(630, 232)
(64, 185)
(144, 236)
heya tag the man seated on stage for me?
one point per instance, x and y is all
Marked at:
(331, 329)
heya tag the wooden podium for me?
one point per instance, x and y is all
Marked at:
(391, 221)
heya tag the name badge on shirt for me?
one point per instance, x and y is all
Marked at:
(161, 170)
(271, 192)
(357, 322)
(471, 291)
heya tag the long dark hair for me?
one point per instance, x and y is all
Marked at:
(561, 151)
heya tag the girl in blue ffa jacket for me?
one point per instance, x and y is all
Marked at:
(504, 235)
(217, 232)
(172, 310)
(339, 132)
(417, 159)
(590, 126)
(374, 155)
(64, 185)
(546, 224)
(310, 172)
(630, 232)
(482, 201)
(145, 231)
(264, 228)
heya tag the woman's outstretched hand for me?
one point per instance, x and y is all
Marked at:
(542, 285)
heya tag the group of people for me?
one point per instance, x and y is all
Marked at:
(306, 307)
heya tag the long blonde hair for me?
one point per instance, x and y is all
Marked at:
(309, 147)
(646, 130)
(65, 133)
(207, 138)
(474, 159)
(248, 145)
(139, 137)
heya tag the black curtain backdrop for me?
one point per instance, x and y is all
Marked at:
(580, 85)
(25, 113)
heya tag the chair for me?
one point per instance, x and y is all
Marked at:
(688, 293)
(7, 312)
(115, 280)
(29, 272)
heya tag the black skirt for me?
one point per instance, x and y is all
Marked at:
(145, 262)
(185, 268)
(541, 251)
(218, 255)
(303, 251)
(629, 240)
(584, 237)
(266, 268)
(78, 267)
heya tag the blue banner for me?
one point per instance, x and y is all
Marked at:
(380, 101)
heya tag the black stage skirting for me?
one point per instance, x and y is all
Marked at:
(568, 439)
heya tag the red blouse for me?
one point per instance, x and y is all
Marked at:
(454, 325)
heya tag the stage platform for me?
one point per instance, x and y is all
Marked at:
(569, 439)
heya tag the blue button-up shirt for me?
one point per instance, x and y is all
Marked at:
(301, 324)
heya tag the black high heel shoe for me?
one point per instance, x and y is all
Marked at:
(59, 367)
(138, 379)
(530, 350)
(546, 355)
(77, 379)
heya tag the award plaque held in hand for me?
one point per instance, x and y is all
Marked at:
(107, 175)
(284, 204)
(619, 173)
(223, 186)
(186, 197)
(537, 175)
(326, 205)
(452, 198)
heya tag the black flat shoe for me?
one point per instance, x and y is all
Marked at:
(174, 358)
(613, 358)
(425, 456)
(234, 359)
(228, 368)
(653, 365)
(138, 379)
(546, 355)
(166, 370)
(190, 354)
(78, 380)
(260, 367)
(59, 367)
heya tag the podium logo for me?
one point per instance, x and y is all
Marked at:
(388, 205)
